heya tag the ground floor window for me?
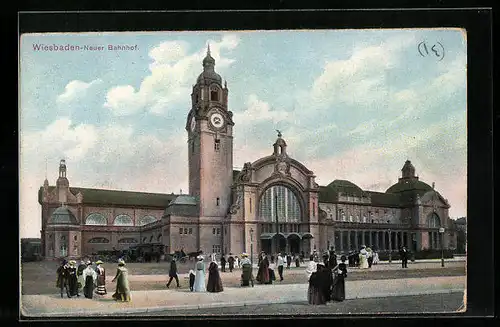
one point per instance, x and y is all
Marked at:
(216, 248)
(64, 250)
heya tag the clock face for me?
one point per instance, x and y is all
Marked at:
(193, 124)
(217, 120)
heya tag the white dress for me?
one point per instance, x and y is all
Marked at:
(199, 279)
(363, 262)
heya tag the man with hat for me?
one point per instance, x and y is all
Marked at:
(172, 273)
(101, 278)
(63, 277)
(280, 262)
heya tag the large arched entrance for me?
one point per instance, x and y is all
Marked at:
(279, 203)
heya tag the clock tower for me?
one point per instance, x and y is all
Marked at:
(210, 141)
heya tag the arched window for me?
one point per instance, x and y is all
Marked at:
(146, 220)
(214, 94)
(433, 221)
(100, 240)
(123, 220)
(287, 205)
(96, 219)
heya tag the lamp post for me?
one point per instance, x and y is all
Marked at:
(390, 247)
(441, 231)
(251, 245)
(277, 225)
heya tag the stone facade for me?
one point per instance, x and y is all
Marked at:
(235, 211)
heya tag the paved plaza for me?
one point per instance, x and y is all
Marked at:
(383, 280)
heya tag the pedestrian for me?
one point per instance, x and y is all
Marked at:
(272, 276)
(122, 292)
(338, 289)
(101, 279)
(297, 261)
(263, 272)
(325, 258)
(403, 253)
(191, 280)
(223, 263)
(375, 258)
(288, 261)
(311, 267)
(90, 277)
(363, 258)
(172, 273)
(199, 279)
(73, 284)
(332, 258)
(302, 257)
(230, 261)
(214, 284)
(79, 274)
(319, 284)
(280, 264)
(63, 278)
(246, 271)
(369, 256)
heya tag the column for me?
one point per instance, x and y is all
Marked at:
(363, 238)
(384, 247)
(377, 246)
(348, 240)
(371, 238)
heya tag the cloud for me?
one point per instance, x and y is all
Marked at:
(172, 72)
(75, 90)
(362, 78)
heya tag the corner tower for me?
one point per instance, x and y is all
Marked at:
(210, 140)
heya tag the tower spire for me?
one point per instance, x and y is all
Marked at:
(208, 49)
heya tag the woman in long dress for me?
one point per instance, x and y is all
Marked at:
(263, 272)
(319, 285)
(214, 283)
(338, 289)
(101, 279)
(375, 258)
(90, 277)
(122, 292)
(246, 271)
(363, 258)
(199, 279)
(73, 279)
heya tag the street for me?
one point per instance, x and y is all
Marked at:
(446, 302)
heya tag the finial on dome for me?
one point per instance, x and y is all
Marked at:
(279, 133)
(208, 48)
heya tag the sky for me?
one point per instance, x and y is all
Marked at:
(351, 104)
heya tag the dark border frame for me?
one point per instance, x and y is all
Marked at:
(478, 24)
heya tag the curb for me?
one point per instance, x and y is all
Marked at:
(226, 304)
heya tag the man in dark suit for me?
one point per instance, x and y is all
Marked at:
(230, 261)
(403, 253)
(173, 273)
(223, 262)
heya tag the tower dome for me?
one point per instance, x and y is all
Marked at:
(62, 216)
(209, 75)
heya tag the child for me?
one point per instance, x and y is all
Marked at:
(191, 279)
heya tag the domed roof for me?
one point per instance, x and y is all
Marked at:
(409, 185)
(345, 186)
(209, 74)
(63, 215)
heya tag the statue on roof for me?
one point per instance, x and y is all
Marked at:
(279, 133)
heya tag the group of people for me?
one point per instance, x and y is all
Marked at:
(363, 259)
(326, 278)
(89, 278)
(197, 276)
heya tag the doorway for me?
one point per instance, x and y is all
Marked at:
(294, 243)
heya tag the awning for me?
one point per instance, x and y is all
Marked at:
(306, 235)
(293, 234)
(268, 236)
